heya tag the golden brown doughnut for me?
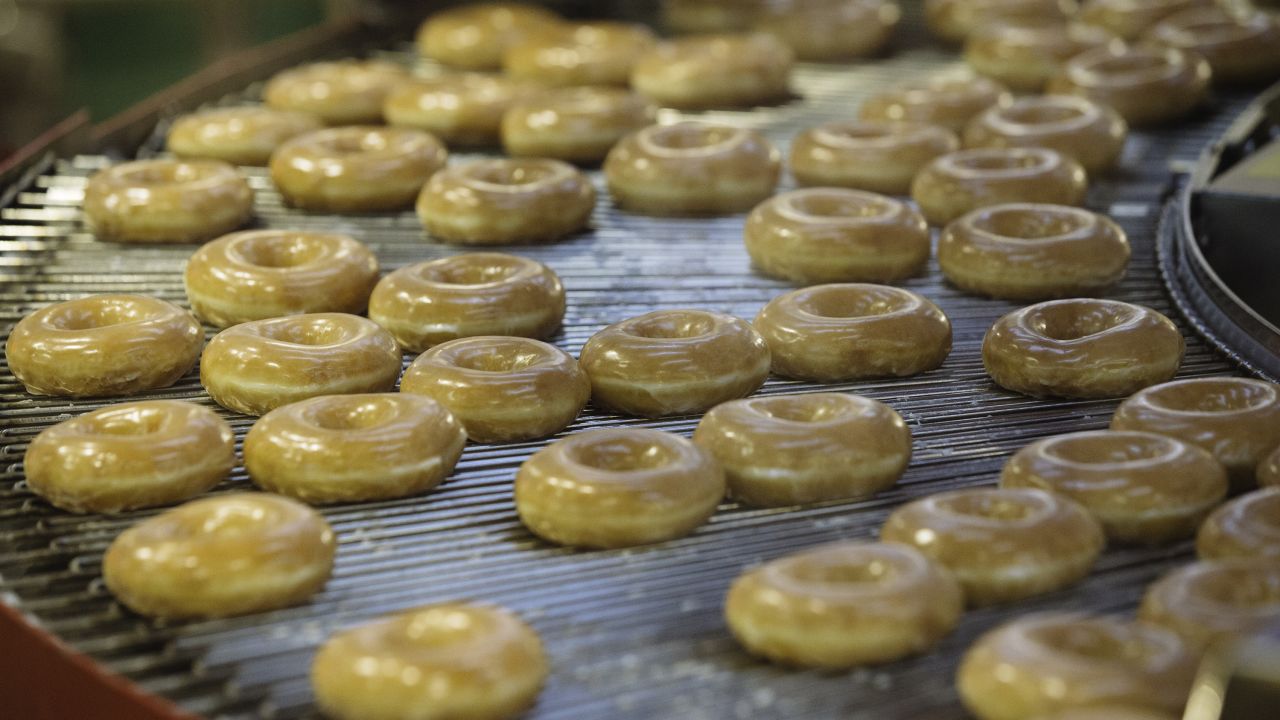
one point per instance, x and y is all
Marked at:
(1092, 134)
(830, 333)
(960, 182)
(436, 662)
(948, 99)
(238, 135)
(464, 109)
(617, 487)
(1024, 53)
(475, 36)
(1215, 601)
(351, 448)
(502, 389)
(103, 345)
(258, 366)
(1028, 251)
(166, 201)
(1237, 420)
(835, 234)
(1127, 19)
(1044, 663)
(356, 169)
(260, 274)
(505, 201)
(709, 71)
(797, 449)
(1144, 488)
(228, 555)
(706, 16)
(468, 295)
(1242, 46)
(692, 168)
(576, 125)
(827, 30)
(1248, 526)
(1082, 348)
(1002, 545)
(132, 455)
(1269, 470)
(954, 20)
(595, 53)
(843, 604)
(346, 92)
(877, 156)
(1145, 85)
(674, 362)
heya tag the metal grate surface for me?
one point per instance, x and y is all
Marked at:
(634, 633)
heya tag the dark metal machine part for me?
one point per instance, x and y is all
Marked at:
(631, 633)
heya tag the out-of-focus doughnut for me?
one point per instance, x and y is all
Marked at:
(1092, 134)
(347, 92)
(595, 53)
(1127, 19)
(1146, 85)
(1215, 601)
(706, 16)
(960, 182)
(1242, 46)
(826, 30)
(475, 36)
(1269, 470)
(708, 71)
(954, 20)
(948, 99)
(463, 109)
(576, 125)
(1024, 53)
(166, 201)
(1248, 526)
(877, 156)
(237, 135)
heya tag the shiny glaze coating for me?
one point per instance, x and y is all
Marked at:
(828, 30)
(222, 556)
(617, 487)
(476, 36)
(1002, 545)
(954, 20)
(131, 455)
(258, 274)
(346, 92)
(840, 332)
(709, 71)
(103, 345)
(258, 366)
(1146, 85)
(1092, 134)
(166, 201)
(576, 125)
(1241, 47)
(435, 662)
(463, 109)
(508, 200)
(1029, 251)
(1237, 420)
(1144, 488)
(797, 449)
(237, 135)
(674, 362)
(961, 182)
(1043, 663)
(1268, 471)
(356, 169)
(692, 168)
(1214, 601)
(467, 295)
(1080, 348)
(1127, 19)
(502, 389)
(1248, 526)
(595, 53)
(950, 100)
(1024, 53)
(706, 16)
(836, 234)
(842, 605)
(877, 156)
(351, 448)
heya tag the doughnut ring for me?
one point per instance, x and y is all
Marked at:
(961, 182)
(954, 20)
(594, 53)
(166, 201)
(1240, 47)
(475, 37)
(237, 135)
(1212, 601)
(1091, 134)
(1248, 526)
(1146, 85)
(710, 71)
(1024, 53)
(950, 100)
(463, 109)
(707, 16)
(829, 30)
(1127, 19)
(876, 156)
(577, 125)
(346, 92)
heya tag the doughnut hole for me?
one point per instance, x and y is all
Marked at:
(309, 331)
(1136, 64)
(1019, 223)
(998, 162)
(1041, 113)
(1068, 321)
(690, 136)
(100, 315)
(347, 415)
(1089, 643)
(512, 173)
(672, 326)
(284, 250)
(852, 133)
(152, 175)
(491, 359)
(801, 408)
(621, 454)
(834, 574)
(852, 302)
(134, 421)
(355, 142)
(995, 505)
(463, 271)
(826, 204)
(1110, 448)
(1211, 396)
(1240, 586)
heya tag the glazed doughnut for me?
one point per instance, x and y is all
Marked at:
(351, 448)
(1241, 47)
(1213, 601)
(436, 662)
(960, 182)
(832, 234)
(356, 169)
(596, 53)
(954, 20)
(704, 16)
(1248, 526)
(828, 30)
(103, 345)
(222, 556)
(346, 92)
(259, 274)
(576, 125)
(132, 455)
(617, 487)
(1144, 488)
(237, 135)
(1237, 420)
(1043, 663)
(502, 389)
(1027, 251)
(710, 71)
(692, 168)
(1025, 53)
(830, 333)
(475, 37)
(258, 366)
(950, 100)
(1269, 470)
(1127, 19)
(1092, 134)
(502, 201)
(166, 201)
(468, 295)
(799, 449)
(1081, 348)
(463, 109)
(842, 605)
(1146, 85)
(674, 362)
(877, 156)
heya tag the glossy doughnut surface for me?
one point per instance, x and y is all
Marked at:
(961, 182)
(345, 92)
(1248, 526)
(166, 201)
(1146, 85)
(874, 155)
(237, 135)
(1092, 134)
(719, 70)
